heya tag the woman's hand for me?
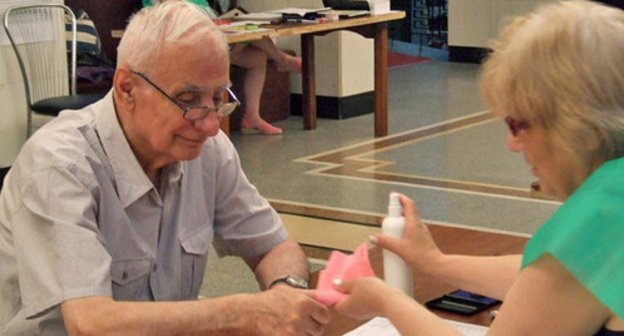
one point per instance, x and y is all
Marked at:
(367, 297)
(416, 246)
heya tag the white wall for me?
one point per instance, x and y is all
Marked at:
(474, 23)
(12, 96)
(344, 61)
(13, 110)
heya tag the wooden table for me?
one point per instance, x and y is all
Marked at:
(450, 240)
(372, 26)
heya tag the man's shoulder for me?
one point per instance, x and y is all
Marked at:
(62, 142)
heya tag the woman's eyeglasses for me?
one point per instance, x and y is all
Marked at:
(194, 113)
(516, 126)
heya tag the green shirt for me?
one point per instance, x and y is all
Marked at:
(203, 4)
(200, 3)
(586, 235)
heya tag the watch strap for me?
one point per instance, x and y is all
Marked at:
(292, 281)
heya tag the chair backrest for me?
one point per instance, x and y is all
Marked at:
(37, 35)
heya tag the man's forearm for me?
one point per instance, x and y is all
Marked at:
(285, 259)
(229, 315)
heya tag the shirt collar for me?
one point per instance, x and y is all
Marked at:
(131, 180)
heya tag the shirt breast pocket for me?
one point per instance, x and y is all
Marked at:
(130, 278)
(195, 247)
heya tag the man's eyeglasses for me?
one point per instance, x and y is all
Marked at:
(516, 126)
(197, 112)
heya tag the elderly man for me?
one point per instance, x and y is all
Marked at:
(119, 203)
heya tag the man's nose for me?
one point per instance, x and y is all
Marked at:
(209, 125)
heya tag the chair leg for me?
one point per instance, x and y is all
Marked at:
(29, 127)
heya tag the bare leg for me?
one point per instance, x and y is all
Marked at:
(284, 61)
(254, 61)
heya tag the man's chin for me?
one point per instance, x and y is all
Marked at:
(189, 153)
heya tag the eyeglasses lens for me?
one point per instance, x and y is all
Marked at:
(516, 126)
(197, 113)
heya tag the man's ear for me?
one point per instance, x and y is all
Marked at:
(124, 88)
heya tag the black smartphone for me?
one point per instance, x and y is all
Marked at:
(462, 302)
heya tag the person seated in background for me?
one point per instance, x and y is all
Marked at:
(252, 56)
(556, 77)
(108, 214)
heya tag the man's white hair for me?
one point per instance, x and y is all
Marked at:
(172, 22)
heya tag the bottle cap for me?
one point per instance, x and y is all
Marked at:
(394, 205)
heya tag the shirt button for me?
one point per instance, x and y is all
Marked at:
(154, 268)
(124, 275)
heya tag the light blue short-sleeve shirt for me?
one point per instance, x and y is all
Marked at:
(79, 217)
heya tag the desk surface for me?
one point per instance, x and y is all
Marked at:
(287, 29)
(450, 240)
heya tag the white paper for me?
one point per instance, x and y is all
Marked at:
(243, 23)
(262, 16)
(467, 328)
(300, 11)
(381, 326)
(378, 7)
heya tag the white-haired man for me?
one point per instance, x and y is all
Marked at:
(108, 213)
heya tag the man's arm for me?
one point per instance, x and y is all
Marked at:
(99, 315)
(287, 258)
(281, 311)
(301, 307)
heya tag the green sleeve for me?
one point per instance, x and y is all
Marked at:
(200, 3)
(203, 4)
(586, 234)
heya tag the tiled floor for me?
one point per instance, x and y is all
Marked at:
(443, 150)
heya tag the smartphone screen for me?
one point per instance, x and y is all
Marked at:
(462, 294)
(462, 302)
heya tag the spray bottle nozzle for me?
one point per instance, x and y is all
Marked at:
(394, 205)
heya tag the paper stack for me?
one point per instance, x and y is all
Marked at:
(379, 6)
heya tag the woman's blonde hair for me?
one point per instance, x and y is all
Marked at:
(172, 22)
(562, 68)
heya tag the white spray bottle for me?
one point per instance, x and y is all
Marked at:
(396, 272)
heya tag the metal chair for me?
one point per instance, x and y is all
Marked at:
(37, 35)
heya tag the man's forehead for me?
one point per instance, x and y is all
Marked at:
(189, 87)
(204, 53)
(191, 73)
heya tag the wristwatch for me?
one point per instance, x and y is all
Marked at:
(292, 281)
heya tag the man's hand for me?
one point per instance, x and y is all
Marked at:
(287, 311)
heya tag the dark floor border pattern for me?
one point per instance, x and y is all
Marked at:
(345, 162)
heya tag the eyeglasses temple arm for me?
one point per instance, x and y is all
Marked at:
(233, 95)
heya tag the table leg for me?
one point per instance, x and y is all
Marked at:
(225, 125)
(381, 80)
(308, 82)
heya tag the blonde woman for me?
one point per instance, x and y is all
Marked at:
(556, 77)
